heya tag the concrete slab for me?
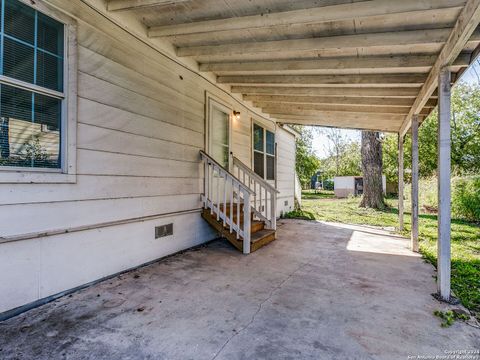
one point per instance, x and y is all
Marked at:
(321, 291)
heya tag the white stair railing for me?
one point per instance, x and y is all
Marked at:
(222, 189)
(264, 200)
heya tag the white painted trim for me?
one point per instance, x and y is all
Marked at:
(68, 127)
(40, 234)
(265, 154)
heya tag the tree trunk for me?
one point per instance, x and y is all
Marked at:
(372, 171)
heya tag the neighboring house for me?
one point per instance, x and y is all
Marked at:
(101, 148)
(346, 186)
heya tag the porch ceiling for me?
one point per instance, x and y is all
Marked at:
(355, 64)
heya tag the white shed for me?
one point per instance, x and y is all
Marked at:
(352, 185)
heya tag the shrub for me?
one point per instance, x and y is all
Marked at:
(466, 198)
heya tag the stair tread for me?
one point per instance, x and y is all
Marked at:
(259, 235)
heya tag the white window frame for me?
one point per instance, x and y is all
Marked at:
(68, 129)
(264, 152)
(214, 102)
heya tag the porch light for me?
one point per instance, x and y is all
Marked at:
(236, 114)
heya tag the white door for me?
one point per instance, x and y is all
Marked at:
(219, 133)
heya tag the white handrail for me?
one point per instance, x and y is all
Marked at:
(267, 194)
(219, 187)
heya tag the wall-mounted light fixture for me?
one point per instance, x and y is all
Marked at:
(236, 114)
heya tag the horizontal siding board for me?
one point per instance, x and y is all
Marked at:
(93, 162)
(17, 219)
(103, 187)
(117, 119)
(150, 64)
(106, 93)
(96, 138)
(103, 68)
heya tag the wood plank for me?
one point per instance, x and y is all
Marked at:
(122, 5)
(94, 187)
(400, 92)
(387, 39)
(335, 100)
(94, 162)
(387, 123)
(50, 216)
(350, 11)
(444, 185)
(312, 108)
(375, 80)
(342, 65)
(414, 191)
(465, 27)
(101, 139)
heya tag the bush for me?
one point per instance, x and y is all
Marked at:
(466, 198)
(328, 185)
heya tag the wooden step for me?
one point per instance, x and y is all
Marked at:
(259, 236)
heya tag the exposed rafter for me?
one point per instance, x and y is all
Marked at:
(312, 109)
(466, 25)
(400, 92)
(335, 100)
(386, 39)
(372, 64)
(122, 5)
(396, 80)
(357, 10)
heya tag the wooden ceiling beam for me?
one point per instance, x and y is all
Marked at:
(335, 100)
(124, 5)
(375, 122)
(466, 26)
(385, 39)
(312, 109)
(400, 92)
(374, 80)
(417, 63)
(321, 14)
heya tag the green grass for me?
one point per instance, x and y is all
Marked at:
(465, 237)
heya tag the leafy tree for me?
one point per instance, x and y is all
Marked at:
(465, 125)
(347, 163)
(307, 163)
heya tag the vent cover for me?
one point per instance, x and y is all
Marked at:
(164, 230)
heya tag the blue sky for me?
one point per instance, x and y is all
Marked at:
(320, 141)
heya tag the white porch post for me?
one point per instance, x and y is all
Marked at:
(414, 236)
(400, 182)
(443, 174)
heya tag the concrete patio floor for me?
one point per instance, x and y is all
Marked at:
(321, 291)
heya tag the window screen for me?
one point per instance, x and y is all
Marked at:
(31, 87)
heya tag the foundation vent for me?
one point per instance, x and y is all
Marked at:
(164, 230)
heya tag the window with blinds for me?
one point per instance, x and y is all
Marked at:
(31, 87)
(263, 152)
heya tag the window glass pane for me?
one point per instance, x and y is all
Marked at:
(49, 71)
(219, 136)
(270, 143)
(24, 142)
(20, 21)
(258, 165)
(50, 35)
(270, 167)
(18, 60)
(258, 138)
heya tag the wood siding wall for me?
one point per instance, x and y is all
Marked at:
(285, 170)
(141, 124)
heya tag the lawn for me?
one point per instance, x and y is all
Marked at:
(465, 237)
